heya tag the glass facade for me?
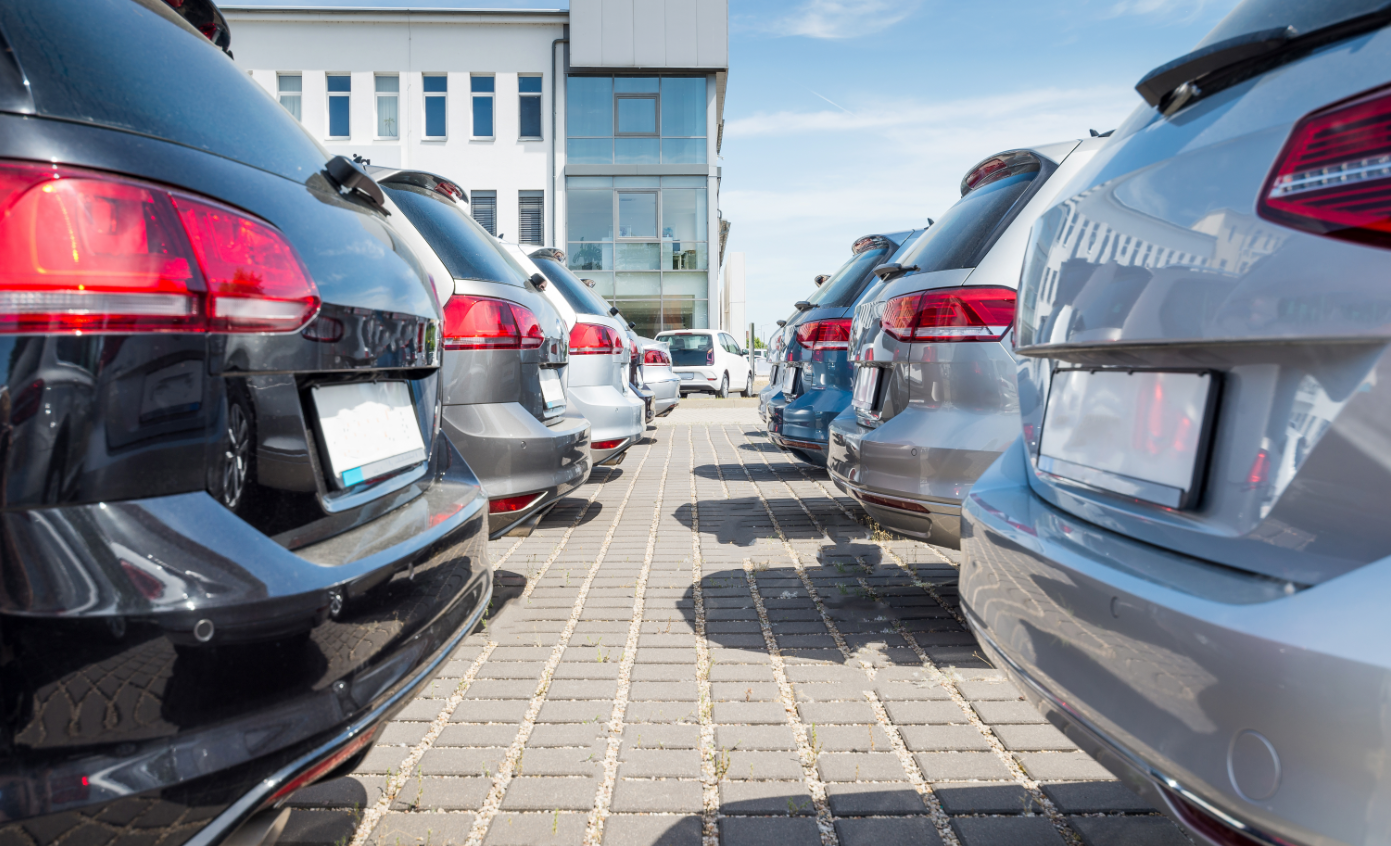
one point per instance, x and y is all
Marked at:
(636, 119)
(642, 239)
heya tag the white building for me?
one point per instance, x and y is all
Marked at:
(732, 298)
(629, 184)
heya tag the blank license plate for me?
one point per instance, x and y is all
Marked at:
(1135, 433)
(686, 377)
(789, 379)
(551, 390)
(866, 382)
(369, 429)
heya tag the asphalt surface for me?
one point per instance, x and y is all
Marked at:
(709, 644)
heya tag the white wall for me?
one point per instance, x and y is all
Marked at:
(457, 44)
(734, 314)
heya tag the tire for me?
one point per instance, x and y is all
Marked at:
(748, 386)
(723, 392)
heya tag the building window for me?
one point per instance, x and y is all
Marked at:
(531, 217)
(339, 87)
(290, 87)
(482, 87)
(484, 207)
(529, 93)
(436, 92)
(643, 240)
(636, 120)
(388, 101)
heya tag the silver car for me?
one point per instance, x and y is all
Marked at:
(1182, 560)
(934, 399)
(506, 355)
(658, 377)
(600, 356)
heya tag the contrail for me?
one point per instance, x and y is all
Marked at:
(832, 102)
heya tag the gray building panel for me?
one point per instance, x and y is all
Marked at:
(649, 34)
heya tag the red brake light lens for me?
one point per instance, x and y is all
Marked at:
(655, 357)
(510, 504)
(957, 314)
(606, 444)
(594, 339)
(1334, 175)
(481, 323)
(89, 252)
(825, 334)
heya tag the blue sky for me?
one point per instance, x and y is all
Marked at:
(848, 117)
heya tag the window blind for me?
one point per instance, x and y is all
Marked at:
(531, 228)
(484, 207)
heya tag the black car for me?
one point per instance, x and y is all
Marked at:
(233, 541)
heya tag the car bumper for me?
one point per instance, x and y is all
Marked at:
(802, 423)
(699, 379)
(666, 393)
(1183, 676)
(326, 643)
(613, 416)
(513, 454)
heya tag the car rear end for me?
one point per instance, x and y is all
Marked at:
(934, 391)
(777, 355)
(505, 355)
(601, 357)
(220, 441)
(816, 378)
(658, 376)
(693, 359)
(1182, 560)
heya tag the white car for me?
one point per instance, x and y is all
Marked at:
(707, 360)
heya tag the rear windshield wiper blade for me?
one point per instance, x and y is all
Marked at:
(1217, 66)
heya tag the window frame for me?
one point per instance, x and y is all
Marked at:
(655, 239)
(376, 107)
(540, 113)
(656, 99)
(474, 97)
(532, 194)
(329, 96)
(425, 97)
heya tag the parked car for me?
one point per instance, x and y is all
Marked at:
(236, 541)
(934, 393)
(599, 357)
(777, 358)
(506, 354)
(658, 376)
(707, 360)
(815, 379)
(1182, 560)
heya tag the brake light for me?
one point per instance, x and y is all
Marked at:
(482, 323)
(510, 504)
(606, 444)
(710, 356)
(956, 314)
(656, 357)
(825, 334)
(890, 502)
(322, 768)
(594, 339)
(1333, 176)
(89, 252)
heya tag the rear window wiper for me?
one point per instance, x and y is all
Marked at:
(1215, 67)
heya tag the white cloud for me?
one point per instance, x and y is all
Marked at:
(843, 18)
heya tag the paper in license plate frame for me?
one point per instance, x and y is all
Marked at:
(367, 429)
(866, 387)
(552, 391)
(1142, 434)
(789, 378)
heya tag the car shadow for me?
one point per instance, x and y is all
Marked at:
(743, 521)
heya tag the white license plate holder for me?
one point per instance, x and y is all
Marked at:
(686, 377)
(789, 378)
(369, 429)
(1137, 433)
(552, 391)
(866, 386)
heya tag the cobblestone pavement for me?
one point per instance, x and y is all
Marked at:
(706, 645)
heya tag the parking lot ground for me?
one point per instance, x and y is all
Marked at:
(709, 644)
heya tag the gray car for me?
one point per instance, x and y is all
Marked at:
(506, 355)
(600, 357)
(1182, 560)
(658, 377)
(933, 400)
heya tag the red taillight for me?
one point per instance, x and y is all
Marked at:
(88, 252)
(825, 334)
(593, 339)
(888, 502)
(322, 768)
(710, 356)
(957, 314)
(1334, 175)
(606, 444)
(510, 504)
(481, 323)
(655, 357)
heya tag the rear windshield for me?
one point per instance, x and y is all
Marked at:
(135, 65)
(842, 288)
(688, 350)
(466, 248)
(969, 228)
(580, 296)
(1304, 16)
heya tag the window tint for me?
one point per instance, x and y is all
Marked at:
(466, 250)
(1305, 16)
(78, 71)
(580, 296)
(688, 350)
(843, 287)
(966, 231)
